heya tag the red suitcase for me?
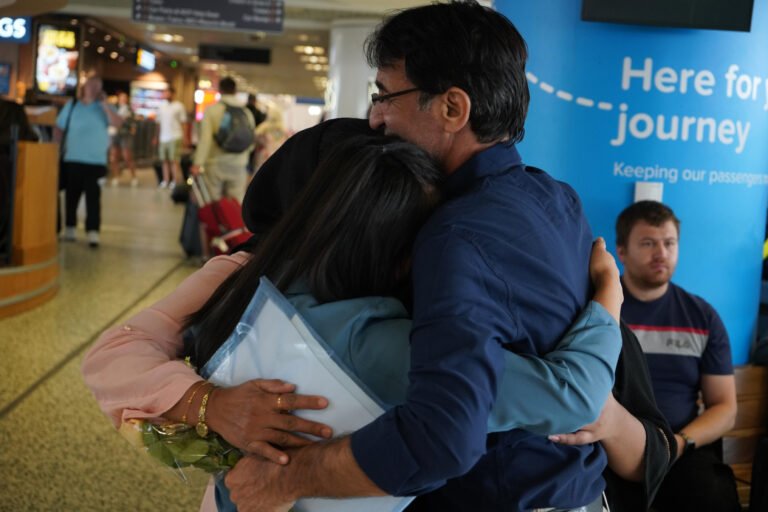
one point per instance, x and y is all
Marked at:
(222, 219)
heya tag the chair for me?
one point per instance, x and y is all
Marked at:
(741, 442)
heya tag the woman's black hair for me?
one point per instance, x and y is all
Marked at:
(349, 234)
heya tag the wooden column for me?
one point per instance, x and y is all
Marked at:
(33, 277)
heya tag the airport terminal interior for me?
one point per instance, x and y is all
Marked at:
(625, 106)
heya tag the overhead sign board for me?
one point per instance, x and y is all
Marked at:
(15, 30)
(247, 15)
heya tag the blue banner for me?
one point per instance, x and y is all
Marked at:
(613, 105)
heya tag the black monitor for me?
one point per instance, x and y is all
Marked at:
(707, 14)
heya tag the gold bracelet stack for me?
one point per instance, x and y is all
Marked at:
(202, 427)
(192, 397)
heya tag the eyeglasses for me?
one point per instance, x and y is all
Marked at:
(381, 98)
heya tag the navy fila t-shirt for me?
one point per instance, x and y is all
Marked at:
(683, 338)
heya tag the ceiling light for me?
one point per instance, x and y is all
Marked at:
(309, 50)
(303, 38)
(121, 59)
(168, 38)
(107, 37)
(73, 21)
(113, 55)
(100, 49)
(86, 44)
(91, 30)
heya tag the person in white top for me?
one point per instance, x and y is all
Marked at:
(171, 117)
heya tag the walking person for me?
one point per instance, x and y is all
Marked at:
(122, 141)
(171, 117)
(86, 141)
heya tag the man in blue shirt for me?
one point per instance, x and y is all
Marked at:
(687, 349)
(501, 265)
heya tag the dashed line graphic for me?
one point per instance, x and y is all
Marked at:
(567, 96)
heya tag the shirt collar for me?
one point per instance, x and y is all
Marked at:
(489, 162)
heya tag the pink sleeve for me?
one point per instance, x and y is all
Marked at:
(133, 369)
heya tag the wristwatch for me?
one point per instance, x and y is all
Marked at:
(690, 444)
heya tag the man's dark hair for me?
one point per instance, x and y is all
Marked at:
(252, 98)
(171, 90)
(460, 44)
(652, 212)
(227, 86)
(349, 234)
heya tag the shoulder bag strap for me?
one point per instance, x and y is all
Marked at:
(66, 126)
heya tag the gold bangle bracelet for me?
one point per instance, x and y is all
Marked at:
(192, 397)
(201, 427)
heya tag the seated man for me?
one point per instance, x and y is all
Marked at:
(688, 351)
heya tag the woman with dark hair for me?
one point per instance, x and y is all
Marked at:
(340, 255)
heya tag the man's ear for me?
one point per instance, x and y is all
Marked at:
(456, 107)
(621, 253)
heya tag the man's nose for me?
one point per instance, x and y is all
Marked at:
(375, 118)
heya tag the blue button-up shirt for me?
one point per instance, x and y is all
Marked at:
(503, 264)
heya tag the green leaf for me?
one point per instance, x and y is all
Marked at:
(232, 458)
(209, 465)
(193, 451)
(162, 454)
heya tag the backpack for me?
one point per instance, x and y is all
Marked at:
(235, 133)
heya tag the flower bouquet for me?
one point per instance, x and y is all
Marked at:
(178, 446)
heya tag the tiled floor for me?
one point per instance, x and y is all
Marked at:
(57, 451)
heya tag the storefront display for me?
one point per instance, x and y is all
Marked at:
(146, 97)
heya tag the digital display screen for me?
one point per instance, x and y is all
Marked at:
(57, 59)
(145, 59)
(707, 14)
